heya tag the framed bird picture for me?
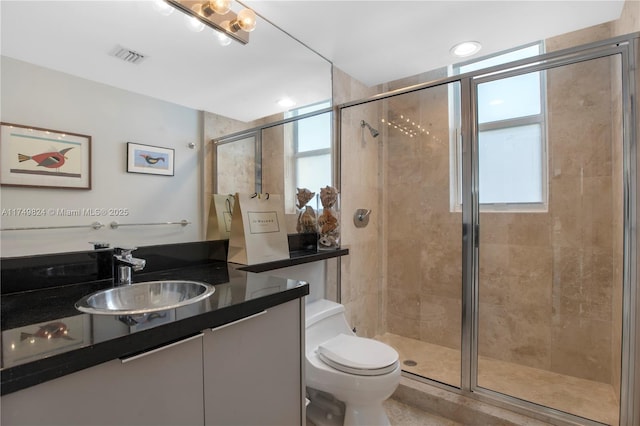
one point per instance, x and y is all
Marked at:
(149, 159)
(37, 157)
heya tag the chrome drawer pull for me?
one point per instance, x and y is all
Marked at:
(161, 348)
(239, 321)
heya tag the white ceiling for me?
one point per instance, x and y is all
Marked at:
(373, 41)
(381, 41)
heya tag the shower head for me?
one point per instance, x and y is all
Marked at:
(373, 131)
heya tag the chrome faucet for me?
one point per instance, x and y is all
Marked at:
(124, 263)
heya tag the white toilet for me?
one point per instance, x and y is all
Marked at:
(359, 372)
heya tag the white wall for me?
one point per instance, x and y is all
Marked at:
(315, 273)
(44, 98)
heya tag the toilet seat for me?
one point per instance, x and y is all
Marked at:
(358, 355)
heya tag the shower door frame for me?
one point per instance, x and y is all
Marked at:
(626, 46)
(582, 54)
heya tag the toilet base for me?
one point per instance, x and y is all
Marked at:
(373, 415)
(326, 410)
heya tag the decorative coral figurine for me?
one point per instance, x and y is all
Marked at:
(328, 196)
(303, 195)
(328, 221)
(306, 217)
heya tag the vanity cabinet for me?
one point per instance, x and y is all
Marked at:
(158, 387)
(247, 372)
(253, 369)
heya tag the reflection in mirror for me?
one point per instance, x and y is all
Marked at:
(235, 165)
(188, 89)
(293, 153)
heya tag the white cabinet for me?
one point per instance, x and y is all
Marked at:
(253, 369)
(252, 373)
(159, 387)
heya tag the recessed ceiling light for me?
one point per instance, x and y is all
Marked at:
(466, 48)
(286, 102)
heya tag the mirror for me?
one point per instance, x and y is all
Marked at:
(236, 165)
(60, 73)
(278, 158)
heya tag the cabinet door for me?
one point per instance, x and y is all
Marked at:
(159, 387)
(253, 369)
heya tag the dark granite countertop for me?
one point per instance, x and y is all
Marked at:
(297, 257)
(83, 340)
(45, 337)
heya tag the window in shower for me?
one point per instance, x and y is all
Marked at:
(511, 121)
(312, 165)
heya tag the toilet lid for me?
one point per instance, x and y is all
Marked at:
(357, 355)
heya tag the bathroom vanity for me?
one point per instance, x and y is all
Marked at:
(243, 372)
(236, 357)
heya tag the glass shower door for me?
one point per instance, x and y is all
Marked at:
(423, 231)
(550, 187)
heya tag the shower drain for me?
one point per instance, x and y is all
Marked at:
(409, 363)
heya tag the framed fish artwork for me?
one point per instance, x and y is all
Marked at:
(37, 157)
(149, 159)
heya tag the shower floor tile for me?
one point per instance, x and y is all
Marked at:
(585, 398)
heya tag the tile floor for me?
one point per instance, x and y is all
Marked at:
(405, 415)
(585, 398)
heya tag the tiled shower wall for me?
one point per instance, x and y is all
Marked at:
(558, 266)
(424, 237)
(361, 271)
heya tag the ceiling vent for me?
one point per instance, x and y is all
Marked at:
(127, 55)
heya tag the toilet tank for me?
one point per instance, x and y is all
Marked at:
(324, 319)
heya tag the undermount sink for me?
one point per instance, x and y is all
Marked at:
(145, 297)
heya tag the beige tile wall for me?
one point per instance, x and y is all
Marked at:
(361, 274)
(555, 270)
(424, 282)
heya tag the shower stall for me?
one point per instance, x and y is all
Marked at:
(505, 250)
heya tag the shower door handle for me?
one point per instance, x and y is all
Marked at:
(476, 235)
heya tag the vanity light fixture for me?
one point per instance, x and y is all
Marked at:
(466, 48)
(218, 15)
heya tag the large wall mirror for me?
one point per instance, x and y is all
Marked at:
(124, 72)
(278, 157)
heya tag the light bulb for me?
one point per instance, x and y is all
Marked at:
(223, 39)
(197, 8)
(245, 21)
(162, 7)
(221, 7)
(194, 24)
